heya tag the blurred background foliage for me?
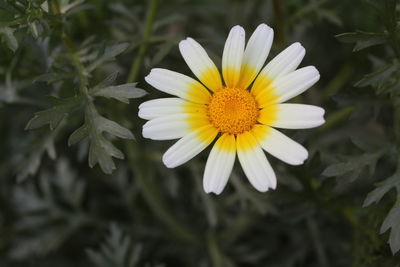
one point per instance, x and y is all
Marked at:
(80, 187)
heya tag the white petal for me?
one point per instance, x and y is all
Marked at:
(285, 62)
(279, 145)
(298, 116)
(219, 164)
(177, 84)
(200, 63)
(294, 83)
(255, 54)
(254, 163)
(161, 107)
(189, 146)
(167, 127)
(233, 55)
(168, 106)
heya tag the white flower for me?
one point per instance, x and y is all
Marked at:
(242, 113)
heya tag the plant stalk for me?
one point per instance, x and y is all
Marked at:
(148, 30)
(137, 158)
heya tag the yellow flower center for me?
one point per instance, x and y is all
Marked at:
(233, 110)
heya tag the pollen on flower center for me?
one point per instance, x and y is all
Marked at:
(233, 110)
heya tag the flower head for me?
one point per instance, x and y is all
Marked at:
(241, 113)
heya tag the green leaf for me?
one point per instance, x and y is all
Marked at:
(355, 164)
(162, 51)
(377, 77)
(9, 8)
(52, 77)
(8, 37)
(122, 92)
(393, 218)
(330, 16)
(50, 211)
(392, 222)
(117, 250)
(382, 188)
(31, 164)
(111, 127)
(54, 115)
(107, 81)
(101, 150)
(78, 135)
(362, 39)
(109, 54)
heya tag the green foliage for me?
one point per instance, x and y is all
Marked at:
(54, 115)
(392, 222)
(7, 34)
(121, 93)
(78, 66)
(362, 39)
(117, 251)
(101, 150)
(50, 212)
(31, 164)
(385, 80)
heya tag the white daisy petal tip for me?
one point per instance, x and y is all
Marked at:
(261, 188)
(237, 28)
(142, 115)
(314, 71)
(183, 43)
(147, 78)
(295, 83)
(238, 33)
(210, 187)
(232, 56)
(200, 63)
(169, 161)
(168, 164)
(296, 50)
(216, 191)
(264, 27)
(297, 46)
(150, 77)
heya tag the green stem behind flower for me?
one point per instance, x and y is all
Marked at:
(148, 30)
(137, 159)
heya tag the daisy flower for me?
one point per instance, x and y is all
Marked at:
(240, 111)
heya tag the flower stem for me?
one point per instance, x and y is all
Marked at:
(318, 245)
(215, 253)
(82, 73)
(148, 30)
(138, 160)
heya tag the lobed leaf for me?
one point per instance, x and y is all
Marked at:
(31, 164)
(54, 115)
(362, 39)
(382, 188)
(354, 164)
(109, 54)
(50, 212)
(121, 93)
(7, 34)
(101, 150)
(117, 250)
(392, 222)
(379, 76)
